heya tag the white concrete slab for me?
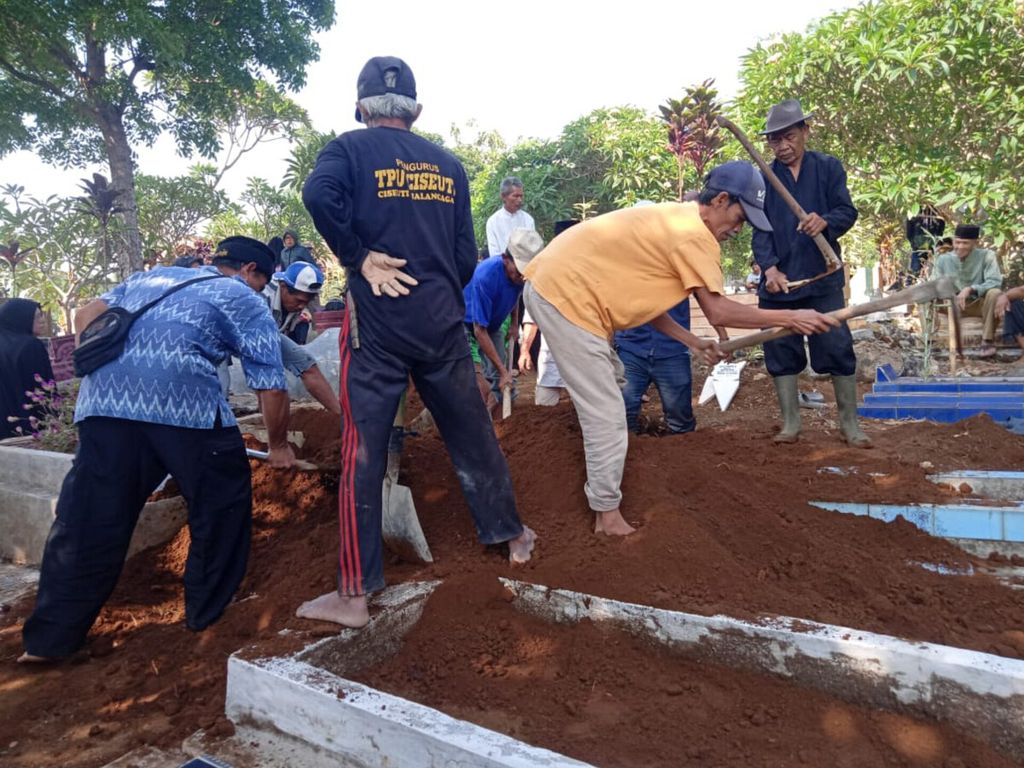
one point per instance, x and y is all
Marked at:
(366, 727)
(988, 484)
(30, 483)
(978, 692)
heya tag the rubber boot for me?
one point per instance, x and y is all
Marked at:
(789, 402)
(846, 401)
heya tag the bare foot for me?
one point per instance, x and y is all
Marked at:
(340, 609)
(612, 523)
(519, 549)
(28, 658)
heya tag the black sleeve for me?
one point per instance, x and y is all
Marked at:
(328, 198)
(841, 214)
(465, 238)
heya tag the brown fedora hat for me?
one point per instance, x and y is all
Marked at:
(783, 115)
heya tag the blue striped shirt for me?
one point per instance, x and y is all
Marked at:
(167, 373)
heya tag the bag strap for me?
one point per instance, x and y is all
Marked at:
(138, 313)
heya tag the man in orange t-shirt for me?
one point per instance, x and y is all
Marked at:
(627, 268)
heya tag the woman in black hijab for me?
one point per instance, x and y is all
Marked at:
(22, 356)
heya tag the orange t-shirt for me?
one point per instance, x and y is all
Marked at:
(625, 268)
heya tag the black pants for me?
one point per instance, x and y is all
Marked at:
(831, 352)
(372, 383)
(117, 466)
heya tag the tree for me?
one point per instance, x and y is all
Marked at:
(302, 161)
(82, 82)
(16, 214)
(693, 135)
(171, 209)
(67, 265)
(272, 211)
(263, 115)
(923, 102)
(101, 203)
(607, 159)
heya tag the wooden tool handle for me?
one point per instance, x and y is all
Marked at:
(831, 259)
(943, 288)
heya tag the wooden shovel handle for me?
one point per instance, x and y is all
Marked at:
(831, 260)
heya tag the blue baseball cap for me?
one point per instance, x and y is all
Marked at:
(302, 276)
(744, 181)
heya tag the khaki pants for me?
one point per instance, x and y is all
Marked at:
(985, 308)
(594, 376)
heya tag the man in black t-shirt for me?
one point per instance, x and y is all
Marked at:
(394, 208)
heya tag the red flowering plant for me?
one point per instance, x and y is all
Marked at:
(51, 421)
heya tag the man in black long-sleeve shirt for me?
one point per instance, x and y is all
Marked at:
(788, 253)
(394, 208)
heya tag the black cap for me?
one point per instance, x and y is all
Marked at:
(564, 224)
(246, 250)
(742, 180)
(967, 231)
(385, 74)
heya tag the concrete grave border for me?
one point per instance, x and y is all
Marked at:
(978, 692)
(365, 726)
(30, 483)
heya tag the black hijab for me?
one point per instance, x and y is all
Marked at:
(22, 356)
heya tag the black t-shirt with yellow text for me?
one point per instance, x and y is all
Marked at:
(389, 190)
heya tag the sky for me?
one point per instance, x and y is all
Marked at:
(525, 69)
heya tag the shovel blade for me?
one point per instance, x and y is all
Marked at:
(401, 527)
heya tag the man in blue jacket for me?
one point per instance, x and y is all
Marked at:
(394, 208)
(491, 297)
(788, 253)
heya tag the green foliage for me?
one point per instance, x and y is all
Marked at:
(923, 102)
(302, 161)
(172, 208)
(268, 211)
(54, 428)
(608, 159)
(84, 81)
(62, 250)
(693, 135)
(165, 66)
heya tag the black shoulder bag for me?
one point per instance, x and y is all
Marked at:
(104, 338)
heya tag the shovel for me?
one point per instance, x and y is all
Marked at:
(506, 393)
(301, 464)
(400, 525)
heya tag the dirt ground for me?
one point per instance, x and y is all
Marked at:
(724, 527)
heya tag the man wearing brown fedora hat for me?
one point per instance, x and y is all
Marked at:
(788, 253)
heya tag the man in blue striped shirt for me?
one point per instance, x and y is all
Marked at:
(158, 409)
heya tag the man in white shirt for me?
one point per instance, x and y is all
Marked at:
(507, 218)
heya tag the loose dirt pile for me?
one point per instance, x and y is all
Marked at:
(606, 698)
(724, 527)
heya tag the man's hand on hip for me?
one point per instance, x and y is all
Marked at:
(384, 276)
(775, 280)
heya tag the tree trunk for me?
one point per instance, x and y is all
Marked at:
(122, 177)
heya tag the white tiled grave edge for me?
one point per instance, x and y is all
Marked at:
(306, 695)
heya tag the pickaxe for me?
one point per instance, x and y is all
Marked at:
(943, 288)
(832, 262)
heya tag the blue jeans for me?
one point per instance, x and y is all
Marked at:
(672, 377)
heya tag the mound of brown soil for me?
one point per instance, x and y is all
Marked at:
(606, 698)
(724, 526)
